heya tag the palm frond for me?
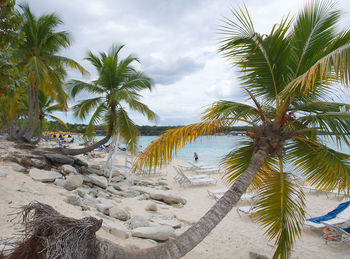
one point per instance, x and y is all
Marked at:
(280, 209)
(143, 109)
(77, 86)
(83, 108)
(95, 119)
(58, 120)
(322, 166)
(162, 150)
(236, 162)
(127, 129)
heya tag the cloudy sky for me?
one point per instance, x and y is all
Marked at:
(176, 41)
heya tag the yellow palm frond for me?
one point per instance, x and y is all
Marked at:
(162, 150)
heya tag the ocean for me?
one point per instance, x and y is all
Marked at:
(211, 149)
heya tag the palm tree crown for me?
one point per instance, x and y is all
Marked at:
(288, 76)
(118, 84)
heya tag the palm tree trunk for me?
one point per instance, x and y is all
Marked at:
(40, 133)
(181, 245)
(28, 136)
(30, 112)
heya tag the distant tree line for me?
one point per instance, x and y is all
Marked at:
(144, 130)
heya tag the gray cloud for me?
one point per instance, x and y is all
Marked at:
(169, 72)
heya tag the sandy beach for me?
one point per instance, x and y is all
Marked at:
(234, 237)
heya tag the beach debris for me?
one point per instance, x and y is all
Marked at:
(100, 181)
(44, 175)
(59, 159)
(68, 169)
(119, 213)
(151, 206)
(168, 198)
(2, 173)
(72, 182)
(74, 200)
(158, 233)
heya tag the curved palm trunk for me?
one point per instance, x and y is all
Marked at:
(193, 236)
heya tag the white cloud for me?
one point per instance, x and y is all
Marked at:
(175, 40)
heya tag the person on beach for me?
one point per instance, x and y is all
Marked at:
(195, 156)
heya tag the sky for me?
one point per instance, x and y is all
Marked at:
(176, 42)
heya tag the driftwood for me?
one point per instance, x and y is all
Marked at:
(48, 234)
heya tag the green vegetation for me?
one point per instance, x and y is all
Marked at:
(288, 75)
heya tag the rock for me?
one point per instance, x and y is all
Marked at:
(89, 201)
(44, 175)
(169, 199)
(119, 232)
(19, 168)
(118, 178)
(78, 162)
(117, 187)
(103, 194)
(112, 190)
(2, 173)
(38, 163)
(119, 213)
(253, 255)
(104, 201)
(81, 191)
(138, 221)
(99, 180)
(158, 233)
(72, 182)
(68, 169)
(74, 200)
(104, 208)
(97, 167)
(96, 171)
(84, 170)
(59, 159)
(59, 182)
(151, 206)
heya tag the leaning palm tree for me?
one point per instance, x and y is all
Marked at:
(38, 58)
(288, 76)
(118, 84)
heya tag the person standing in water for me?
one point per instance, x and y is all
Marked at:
(195, 156)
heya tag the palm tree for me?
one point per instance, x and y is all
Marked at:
(38, 59)
(118, 84)
(288, 76)
(47, 107)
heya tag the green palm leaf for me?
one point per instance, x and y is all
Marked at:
(127, 129)
(280, 210)
(83, 108)
(323, 167)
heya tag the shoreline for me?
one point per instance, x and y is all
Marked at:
(235, 235)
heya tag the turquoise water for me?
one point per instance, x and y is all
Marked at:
(210, 149)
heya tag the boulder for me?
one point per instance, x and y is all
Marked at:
(158, 233)
(151, 207)
(104, 208)
(78, 162)
(74, 200)
(89, 201)
(38, 163)
(138, 221)
(100, 181)
(84, 170)
(167, 198)
(19, 168)
(112, 190)
(72, 182)
(59, 182)
(2, 173)
(103, 194)
(119, 213)
(44, 175)
(81, 191)
(119, 232)
(59, 159)
(93, 170)
(68, 169)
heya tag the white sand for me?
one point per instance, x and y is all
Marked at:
(234, 237)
